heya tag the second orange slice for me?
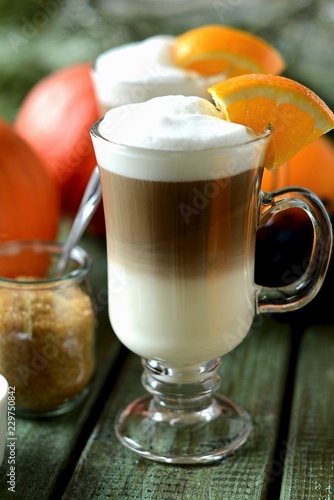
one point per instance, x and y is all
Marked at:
(213, 49)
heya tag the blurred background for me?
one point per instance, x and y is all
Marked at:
(39, 36)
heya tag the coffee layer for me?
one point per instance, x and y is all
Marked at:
(189, 228)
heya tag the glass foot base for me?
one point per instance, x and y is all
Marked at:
(179, 437)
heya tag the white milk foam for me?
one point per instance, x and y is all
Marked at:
(139, 71)
(168, 125)
(172, 123)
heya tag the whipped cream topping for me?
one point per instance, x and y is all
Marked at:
(174, 138)
(172, 123)
(139, 71)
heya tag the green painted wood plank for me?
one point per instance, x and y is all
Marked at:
(309, 464)
(254, 374)
(44, 447)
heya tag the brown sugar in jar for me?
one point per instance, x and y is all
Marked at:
(47, 332)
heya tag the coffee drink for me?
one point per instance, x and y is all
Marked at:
(180, 232)
(180, 264)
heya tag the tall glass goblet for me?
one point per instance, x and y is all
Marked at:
(181, 229)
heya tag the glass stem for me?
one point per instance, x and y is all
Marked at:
(183, 388)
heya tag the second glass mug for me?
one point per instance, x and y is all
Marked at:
(181, 252)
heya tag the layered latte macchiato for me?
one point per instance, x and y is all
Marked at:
(182, 201)
(178, 216)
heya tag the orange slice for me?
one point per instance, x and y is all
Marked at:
(215, 49)
(296, 115)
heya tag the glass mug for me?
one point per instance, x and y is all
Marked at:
(181, 251)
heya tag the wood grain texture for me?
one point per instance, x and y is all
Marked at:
(309, 463)
(254, 375)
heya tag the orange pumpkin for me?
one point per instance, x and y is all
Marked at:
(312, 168)
(29, 198)
(55, 119)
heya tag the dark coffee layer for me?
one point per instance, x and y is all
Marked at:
(194, 227)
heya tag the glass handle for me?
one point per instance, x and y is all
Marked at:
(297, 294)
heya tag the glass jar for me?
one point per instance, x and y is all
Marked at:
(47, 327)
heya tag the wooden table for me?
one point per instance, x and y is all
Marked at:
(282, 373)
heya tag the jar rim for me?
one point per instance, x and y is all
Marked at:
(78, 255)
